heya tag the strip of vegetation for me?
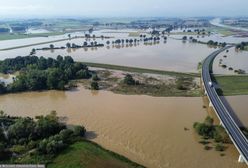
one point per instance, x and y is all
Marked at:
(242, 46)
(232, 85)
(42, 74)
(141, 70)
(29, 45)
(138, 84)
(8, 36)
(208, 131)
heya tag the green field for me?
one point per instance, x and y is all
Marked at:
(8, 36)
(233, 85)
(86, 154)
(220, 30)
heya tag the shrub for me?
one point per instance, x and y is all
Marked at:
(79, 131)
(220, 147)
(95, 77)
(94, 85)
(129, 80)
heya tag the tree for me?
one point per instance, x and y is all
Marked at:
(129, 80)
(54, 77)
(48, 125)
(184, 38)
(66, 134)
(2, 88)
(51, 46)
(95, 77)
(94, 85)
(83, 74)
(21, 130)
(68, 45)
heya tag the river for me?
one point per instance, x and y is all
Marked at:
(149, 130)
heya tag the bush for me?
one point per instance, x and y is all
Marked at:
(94, 85)
(79, 131)
(65, 134)
(128, 80)
(95, 77)
(18, 149)
(220, 147)
(204, 130)
(209, 121)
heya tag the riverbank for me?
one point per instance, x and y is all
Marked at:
(142, 120)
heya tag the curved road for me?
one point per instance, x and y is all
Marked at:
(226, 119)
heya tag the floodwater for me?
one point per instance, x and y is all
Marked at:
(7, 78)
(217, 22)
(36, 31)
(239, 105)
(235, 59)
(149, 130)
(174, 55)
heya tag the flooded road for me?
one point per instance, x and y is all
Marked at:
(146, 129)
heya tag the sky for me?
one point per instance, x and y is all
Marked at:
(122, 8)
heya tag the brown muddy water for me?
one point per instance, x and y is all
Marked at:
(235, 59)
(174, 55)
(239, 105)
(146, 129)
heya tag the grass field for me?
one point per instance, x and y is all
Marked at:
(233, 85)
(223, 31)
(8, 36)
(90, 155)
(141, 70)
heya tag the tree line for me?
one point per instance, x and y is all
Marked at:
(43, 136)
(42, 73)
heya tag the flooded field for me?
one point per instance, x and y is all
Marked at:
(146, 129)
(239, 104)
(174, 55)
(235, 59)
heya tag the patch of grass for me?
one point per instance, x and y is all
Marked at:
(141, 70)
(233, 85)
(220, 30)
(86, 154)
(8, 36)
(134, 34)
(159, 90)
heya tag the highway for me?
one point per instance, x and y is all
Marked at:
(236, 135)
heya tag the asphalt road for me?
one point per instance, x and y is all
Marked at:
(228, 122)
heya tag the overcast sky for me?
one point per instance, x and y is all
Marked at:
(123, 8)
